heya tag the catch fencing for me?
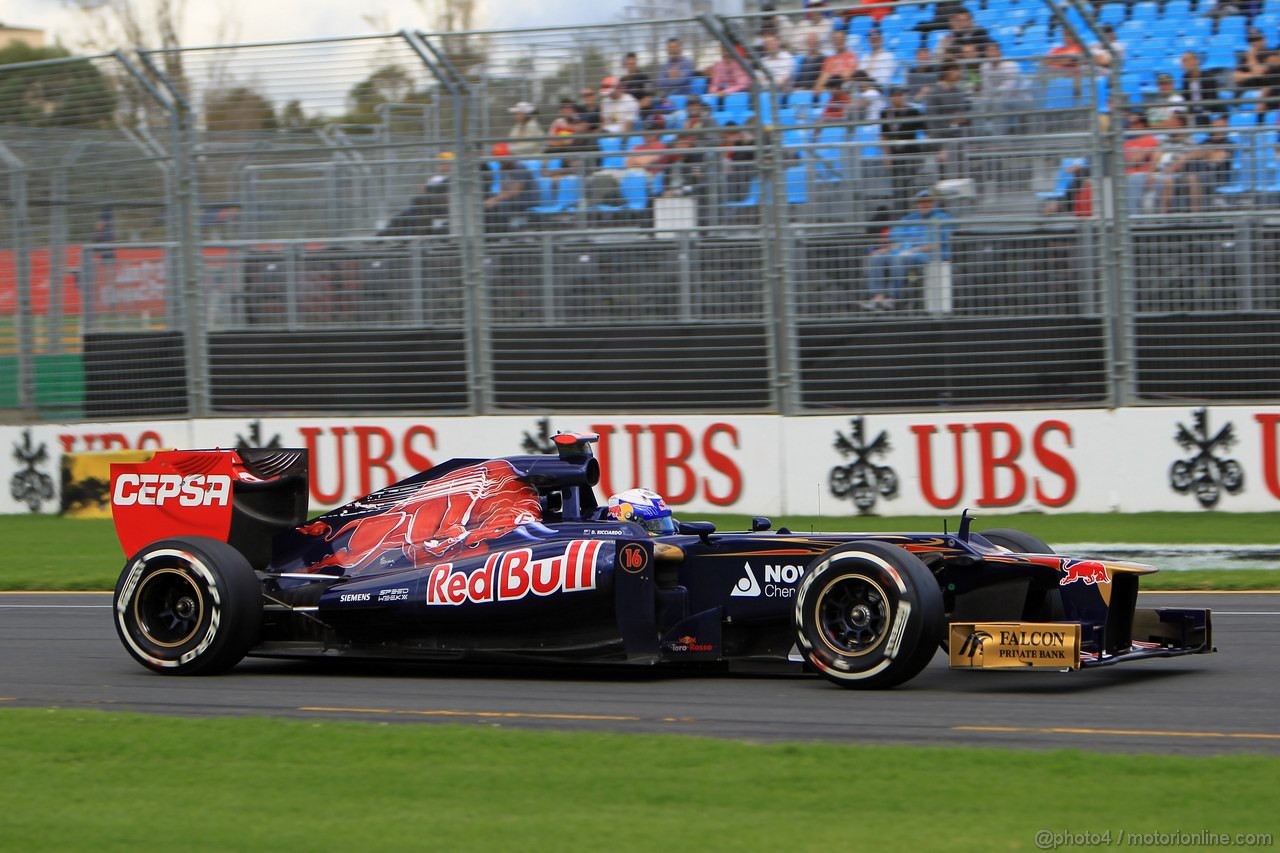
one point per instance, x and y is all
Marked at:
(371, 224)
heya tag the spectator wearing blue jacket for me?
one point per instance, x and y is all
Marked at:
(917, 239)
(675, 76)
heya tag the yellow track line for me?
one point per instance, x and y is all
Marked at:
(485, 714)
(1122, 732)
(8, 698)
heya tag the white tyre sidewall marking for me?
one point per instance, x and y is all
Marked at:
(896, 629)
(127, 591)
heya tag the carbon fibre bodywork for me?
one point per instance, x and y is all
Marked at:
(513, 557)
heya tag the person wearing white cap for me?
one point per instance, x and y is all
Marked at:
(525, 134)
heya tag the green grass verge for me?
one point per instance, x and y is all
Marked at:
(47, 552)
(95, 780)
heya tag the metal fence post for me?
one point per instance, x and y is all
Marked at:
(182, 143)
(772, 195)
(22, 268)
(470, 235)
(1108, 169)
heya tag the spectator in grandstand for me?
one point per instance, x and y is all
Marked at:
(675, 76)
(1250, 62)
(738, 166)
(879, 62)
(922, 73)
(901, 127)
(428, 211)
(839, 100)
(839, 65)
(589, 109)
(634, 81)
(964, 31)
(1199, 169)
(776, 24)
(877, 10)
(727, 75)
(943, 11)
(1077, 197)
(697, 116)
(1199, 90)
(1141, 157)
(1103, 56)
(504, 210)
(686, 173)
(1003, 92)
(619, 112)
(948, 109)
(1166, 103)
(814, 21)
(1269, 82)
(811, 64)
(778, 62)
(525, 136)
(1174, 145)
(649, 154)
(970, 62)
(917, 239)
(867, 101)
(1065, 59)
(1250, 9)
(565, 129)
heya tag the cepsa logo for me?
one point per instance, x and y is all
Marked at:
(512, 575)
(158, 489)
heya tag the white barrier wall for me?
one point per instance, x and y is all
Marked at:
(1078, 460)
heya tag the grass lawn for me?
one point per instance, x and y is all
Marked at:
(94, 780)
(47, 552)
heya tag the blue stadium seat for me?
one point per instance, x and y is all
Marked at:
(1113, 14)
(1146, 12)
(611, 146)
(1060, 94)
(698, 85)
(751, 199)
(738, 106)
(1176, 11)
(1062, 182)
(568, 196)
(546, 191)
(797, 178)
(1233, 27)
(829, 160)
(1241, 166)
(679, 102)
(635, 190)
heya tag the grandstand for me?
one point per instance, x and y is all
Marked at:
(379, 224)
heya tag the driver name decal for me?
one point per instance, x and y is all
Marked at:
(512, 575)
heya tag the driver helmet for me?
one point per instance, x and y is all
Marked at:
(643, 507)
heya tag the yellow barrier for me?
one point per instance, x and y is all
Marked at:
(86, 481)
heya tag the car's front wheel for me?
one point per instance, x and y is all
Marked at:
(188, 606)
(868, 615)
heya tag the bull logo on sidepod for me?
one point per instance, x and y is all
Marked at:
(455, 515)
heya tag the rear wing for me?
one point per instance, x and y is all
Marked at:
(241, 497)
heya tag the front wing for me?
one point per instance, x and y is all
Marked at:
(1156, 632)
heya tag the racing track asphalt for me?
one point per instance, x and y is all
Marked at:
(61, 650)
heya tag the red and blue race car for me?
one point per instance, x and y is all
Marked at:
(514, 558)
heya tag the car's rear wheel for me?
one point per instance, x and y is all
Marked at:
(1015, 540)
(188, 606)
(868, 615)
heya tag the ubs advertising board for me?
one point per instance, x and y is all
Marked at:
(1125, 460)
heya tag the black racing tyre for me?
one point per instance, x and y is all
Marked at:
(1015, 540)
(188, 606)
(868, 615)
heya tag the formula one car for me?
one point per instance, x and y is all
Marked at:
(514, 559)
